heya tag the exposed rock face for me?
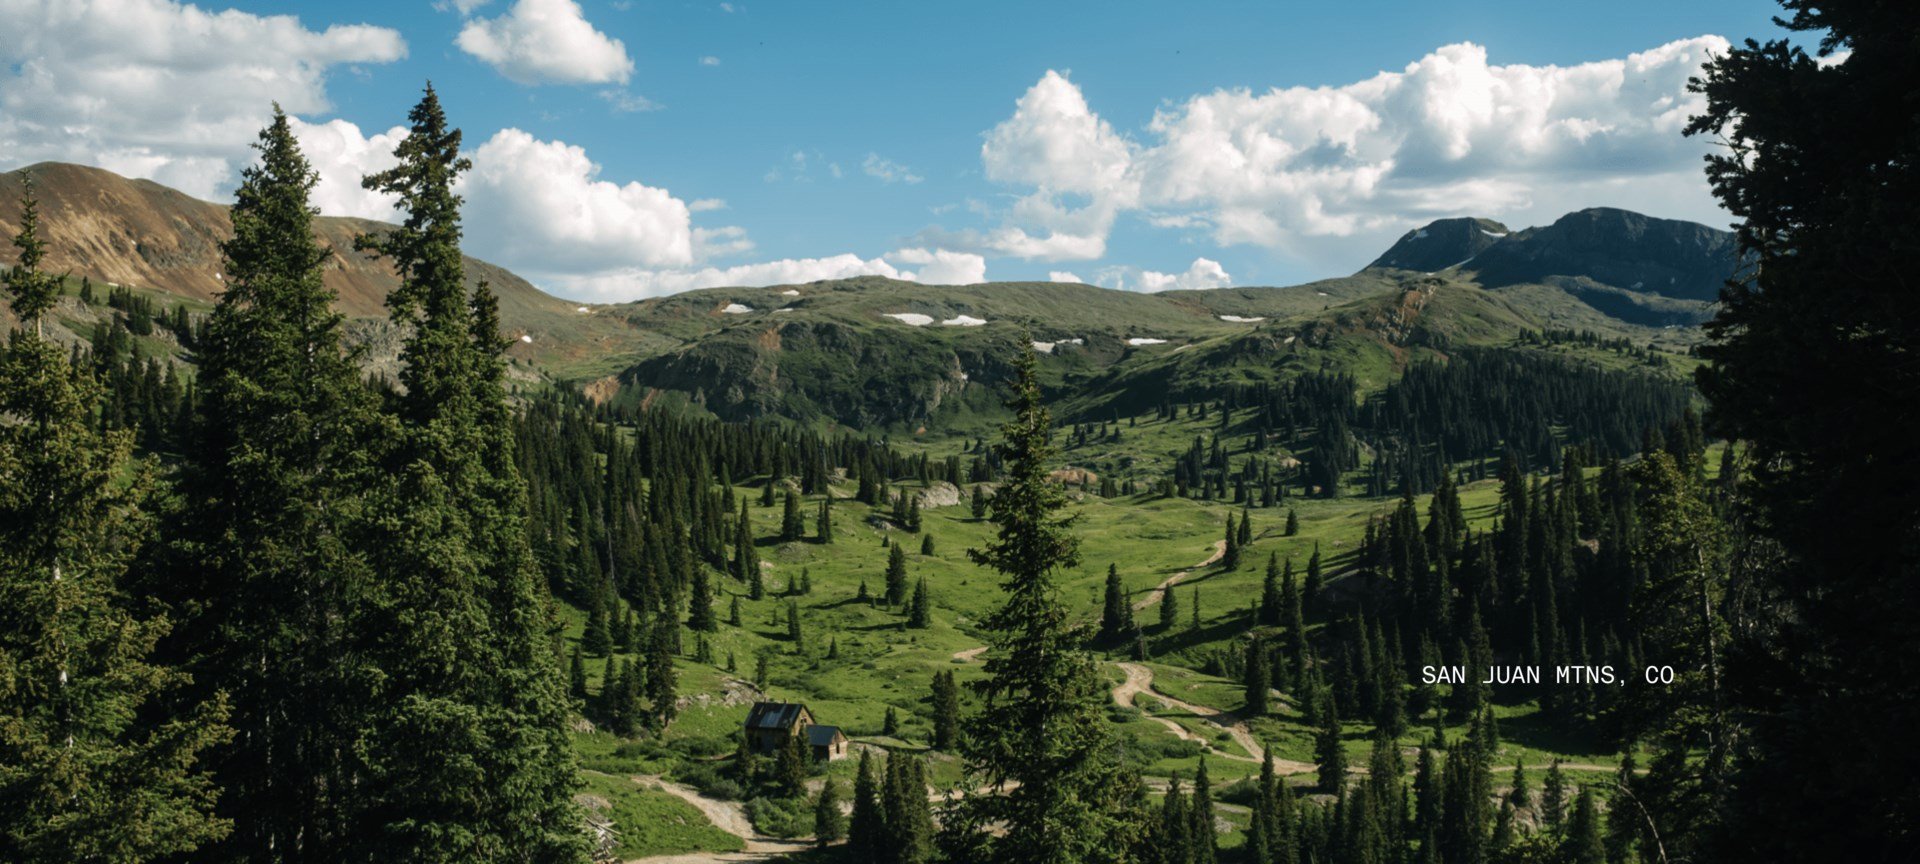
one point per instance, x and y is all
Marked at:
(1615, 248)
(1441, 244)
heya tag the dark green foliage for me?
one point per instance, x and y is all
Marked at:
(1583, 844)
(31, 292)
(829, 824)
(598, 638)
(1553, 798)
(1811, 362)
(896, 575)
(746, 561)
(662, 681)
(700, 603)
(926, 544)
(87, 772)
(920, 609)
(1230, 557)
(453, 735)
(792, 524)
(1293, 523)
(1257, 679)
(1041, 725)
(790, 767)
(1327, 749)
(946, 712)
(794, 633)
(909, 817)
(1116, 613)
(577, 677)
(867, 825)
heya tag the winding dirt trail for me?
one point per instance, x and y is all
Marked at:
(728, 816)
(1160, 590)
(1140, 680)
(969, 655)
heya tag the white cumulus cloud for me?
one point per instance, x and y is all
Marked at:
(341, 155)
(636, 283)
(1450, 133)
(540, 205)
(546, 42)
(159, 89)
(1203, 273)
(1064, 276)
(942, 267)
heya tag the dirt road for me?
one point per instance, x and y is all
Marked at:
(1160, 590)
(728, 816)
(1140, 680)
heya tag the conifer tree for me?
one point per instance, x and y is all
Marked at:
(1311, 590)
(946, 712)
(823, 523)
(496, 719)
(790, 766)
(746, 562)
(700, 603)
(1327, 749)
(909, 818)
(577, 677)
(1206, 841)
(262, 552)
(1230, 556)
(1553, 798)
(1169, 608)
(597, 639)
(920, 614)
(733, 610)
(1041, 734)
(896, 575)
(792, 525)
(83, 775)
(926, 544)
(1257, 679)
(662, 681)
(829, 824)
(1583, 844)
(1116, 614)
(1293, 523)
(1272, 603)
(794, 633)
(867, 827)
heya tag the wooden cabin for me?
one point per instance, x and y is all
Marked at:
(771, 724)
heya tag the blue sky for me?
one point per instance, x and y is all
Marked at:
(1131, 144)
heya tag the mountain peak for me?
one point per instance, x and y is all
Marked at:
(1618, 248)
(1440, 244)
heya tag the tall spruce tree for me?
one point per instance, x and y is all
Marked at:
(1811, 361)
(87, 772)
(896, 575)
(266, 558)
(1040, 743)
(1116, 614)
(469, 758)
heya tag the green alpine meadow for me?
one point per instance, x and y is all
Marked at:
(423, 497)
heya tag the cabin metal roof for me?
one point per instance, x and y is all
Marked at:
(822, 736)
(774, 715)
